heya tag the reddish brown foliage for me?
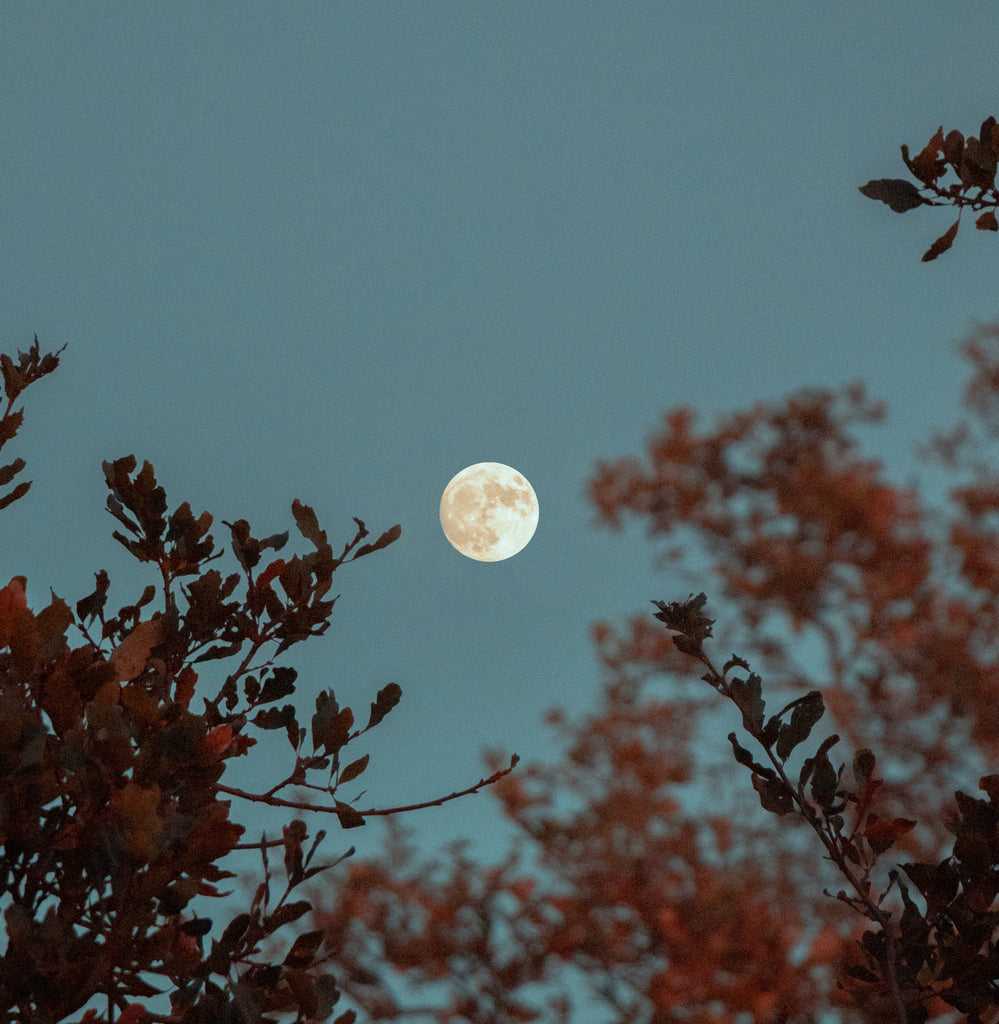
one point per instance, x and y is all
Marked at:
(972, 161)
(648, 880)
(112, 816)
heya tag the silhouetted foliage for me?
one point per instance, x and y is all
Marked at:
(112, 817)
(646, 882)
(947, 951)
(971, 160)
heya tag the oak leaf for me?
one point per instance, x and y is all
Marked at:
(130, 656)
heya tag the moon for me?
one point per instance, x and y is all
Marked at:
(489, 511)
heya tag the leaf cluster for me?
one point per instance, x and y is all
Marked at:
(944, 952)
(114, 741)
(971, 160)
(30, 366)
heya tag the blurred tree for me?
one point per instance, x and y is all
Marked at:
(112, 816)
(648, 880)
(971, 160)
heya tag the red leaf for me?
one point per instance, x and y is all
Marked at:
(12, 600)
(129, 657)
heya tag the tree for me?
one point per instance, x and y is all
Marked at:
(857, 883)
(971, 160)
(114, 821)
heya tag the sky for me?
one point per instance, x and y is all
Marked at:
(339, 251)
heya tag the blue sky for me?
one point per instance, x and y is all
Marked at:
(337, 252)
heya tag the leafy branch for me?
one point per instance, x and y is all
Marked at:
(947, 951)
(112, 811)
(972, 161)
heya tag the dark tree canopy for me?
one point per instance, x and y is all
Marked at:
(115, 736)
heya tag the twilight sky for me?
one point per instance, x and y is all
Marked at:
(339, 251)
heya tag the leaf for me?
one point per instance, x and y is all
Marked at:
(330, 726)
(197, 926)
(824, 781)
(286, 913)
(294, 835)
(130, 656)
(234, 931)
(881, 835)
(12, 603)
(279, 684)
(19, 492)
(220, 651)
(7, 473)
(390, 535)
(899, 194)
(989, 784)
(349, 818)
(863, 766)
(275, 718)
(304, 950)
(937, 882)
(91, 605)
(743, 756)
(747, 694)
(353, 769)
(943, 243)
(987, 221)
(928, 164)
(773, 796)
(806, 713)
(308, 524)
(388, 697)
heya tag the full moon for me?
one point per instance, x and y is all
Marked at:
(489, 511)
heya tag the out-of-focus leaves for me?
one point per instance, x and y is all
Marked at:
(987, 221)
(863, 766)
(882, 835)
(943, 243)
(978, 168)
(897, 193)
